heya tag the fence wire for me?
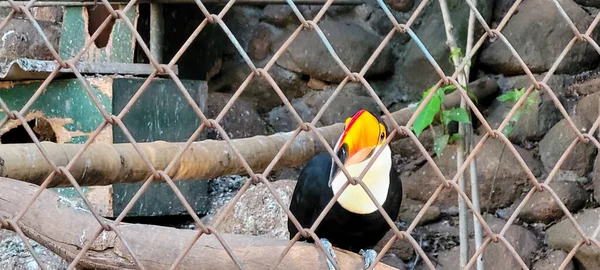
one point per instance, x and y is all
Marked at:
(351, 76)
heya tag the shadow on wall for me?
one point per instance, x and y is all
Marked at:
(203, 55)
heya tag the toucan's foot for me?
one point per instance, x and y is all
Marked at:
(368, 256)
(329, 249)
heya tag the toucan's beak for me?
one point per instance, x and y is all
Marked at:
(362, 133)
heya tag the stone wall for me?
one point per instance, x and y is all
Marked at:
(308, 74)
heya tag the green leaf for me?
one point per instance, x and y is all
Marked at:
(427, 115)
(439, 143)
(455, 137)
(456, 52)
(456, 114)
(513, 95)
(448, 88)
(507, 96)
(426, 93)
(507, 130)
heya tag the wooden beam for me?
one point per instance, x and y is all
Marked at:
(104, 164)
(63, 229)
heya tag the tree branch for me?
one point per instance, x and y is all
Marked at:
(56, 225)
(105, 164)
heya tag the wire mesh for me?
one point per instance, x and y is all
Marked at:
(351, 76)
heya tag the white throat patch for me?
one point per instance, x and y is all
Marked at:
(377, 179)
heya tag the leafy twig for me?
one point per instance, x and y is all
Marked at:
(460, 150)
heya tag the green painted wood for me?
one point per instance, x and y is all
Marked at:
(64, 100)
(75, 33)
(161, 113)
(68, 103)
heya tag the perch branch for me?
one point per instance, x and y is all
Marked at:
(105, 164)
(56, 225)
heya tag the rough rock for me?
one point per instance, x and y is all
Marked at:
(221, 190)
(559, 83)
(279, 15)
(352, 43)
(49, 14)
(258, 213)
(596, 178)
(441, 235)
(19, 39)
(408, 149)
(541, 207)
(543, 24)
(393, 260)
(498, 173)
(240, 121)
(240, 19)
(401, 248)
(286, 173)
(534, 121)
(15, 255)
(414, 73)
(410, 209)
(501, 7)
(362, 12)
(339, 11)
(496, 254)
(588, 107)
(259, 92)
(537, 119)
(587, 87)
(316, 84)
(382, 24)
(553, 261)
(563, 236)
(345, 104)
(558, 139)
(401, 5)
(260, 43)
(589, 3)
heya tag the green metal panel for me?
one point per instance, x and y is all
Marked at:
(161, 113)
(75, 33)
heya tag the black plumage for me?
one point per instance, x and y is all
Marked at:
(343, 229)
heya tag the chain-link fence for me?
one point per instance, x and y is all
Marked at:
(351, 76)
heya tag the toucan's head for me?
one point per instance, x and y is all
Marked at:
(362, 134)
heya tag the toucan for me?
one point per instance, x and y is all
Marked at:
(354, 223)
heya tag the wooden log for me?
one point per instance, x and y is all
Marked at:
(53, 222)
(105, 164)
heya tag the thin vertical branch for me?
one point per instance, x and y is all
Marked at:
(464, 130)
(473, 166)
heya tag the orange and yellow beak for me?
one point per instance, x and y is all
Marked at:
(362, 134)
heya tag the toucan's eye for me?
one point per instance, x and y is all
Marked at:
(382, 137)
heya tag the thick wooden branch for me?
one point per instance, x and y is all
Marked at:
(105, 164)
(53, 222)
